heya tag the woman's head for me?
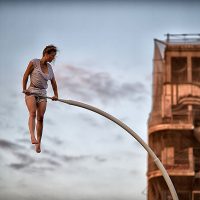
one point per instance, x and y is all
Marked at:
(49, 52)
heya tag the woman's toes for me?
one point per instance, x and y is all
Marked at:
(34, 141)
(37, 148)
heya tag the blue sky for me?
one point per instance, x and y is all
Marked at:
(105, 59)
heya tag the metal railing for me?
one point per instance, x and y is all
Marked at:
(181, 160)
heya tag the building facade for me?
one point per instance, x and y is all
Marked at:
(174, 121)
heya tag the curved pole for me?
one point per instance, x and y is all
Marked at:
(130, 131)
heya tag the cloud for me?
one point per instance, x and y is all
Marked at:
(61, 157)
(51, 153)
(5, 144)
(24, 157)
(55, 140)
(75, 158)
(51, 162)
(100, 159)
(24, 140)
(90, 85)
(31, 163)
(96, 158)
(49, 121)
(90, 120)
(25, 160)
(134, 172)
(70, 158)
(18, 166)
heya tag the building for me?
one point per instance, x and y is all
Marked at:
(174, 121)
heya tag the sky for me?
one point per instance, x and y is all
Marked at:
(105, 59)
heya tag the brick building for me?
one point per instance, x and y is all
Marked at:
(174, 121)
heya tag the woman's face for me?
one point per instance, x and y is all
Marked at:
(50, 57)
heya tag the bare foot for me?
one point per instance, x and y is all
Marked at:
(37, 148)
(33, 140)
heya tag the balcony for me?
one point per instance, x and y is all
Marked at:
(177, 163)
(180, 102)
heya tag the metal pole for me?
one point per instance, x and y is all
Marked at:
(130, 131)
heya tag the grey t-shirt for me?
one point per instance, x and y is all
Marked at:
(40, 79)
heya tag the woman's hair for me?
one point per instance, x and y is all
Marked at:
(50, 48)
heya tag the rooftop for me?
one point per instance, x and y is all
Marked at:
(192, 39)
(176, 41)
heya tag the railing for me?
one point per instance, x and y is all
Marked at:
(183, 90)
(178, 160)
(182, 95)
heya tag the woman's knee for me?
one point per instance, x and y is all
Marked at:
(40, 118)
(32, 114)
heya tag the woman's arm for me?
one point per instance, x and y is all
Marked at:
(55, 89)
(29, 69)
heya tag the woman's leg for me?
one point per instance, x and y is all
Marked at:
(31, 105)
(41, 108)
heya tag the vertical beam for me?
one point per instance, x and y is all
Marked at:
(189, 68)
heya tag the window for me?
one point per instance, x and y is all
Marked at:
(184, 195)
(196, 195)
(167, 156)
(196, 152)
(166, 195)
(196, 69)
(182, 158)
(179, 69)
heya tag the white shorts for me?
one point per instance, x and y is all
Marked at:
(38, 99)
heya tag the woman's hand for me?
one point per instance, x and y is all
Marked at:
(26, 92)
(54, 98)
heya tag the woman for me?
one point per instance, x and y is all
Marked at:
(40, 71)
